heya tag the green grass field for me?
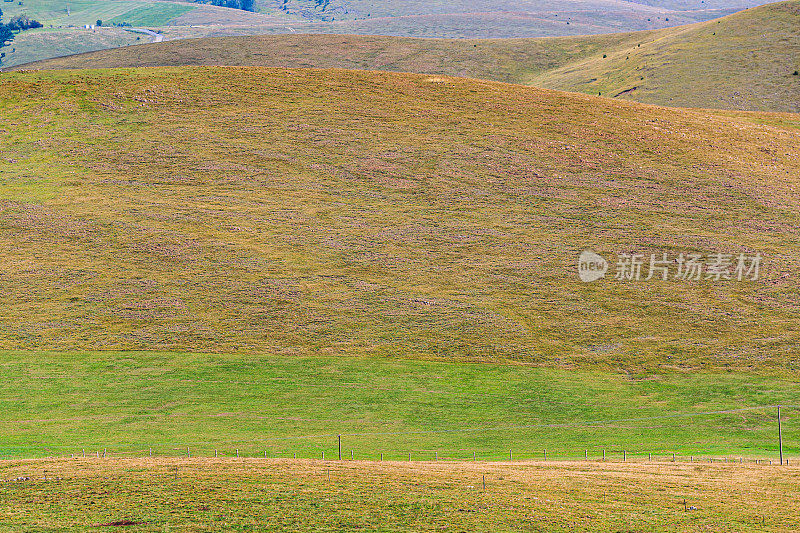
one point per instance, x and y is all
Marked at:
(744, 61)
(153, 15)
(80, 12)
(132, 402)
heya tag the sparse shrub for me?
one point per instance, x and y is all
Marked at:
(796, 73)
(604, 56)
(99, 23)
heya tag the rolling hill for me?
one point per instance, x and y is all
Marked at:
(394, 215)
(748, 60)
(472, 18)
(369, 9)
(744, 61)
(512, 60)
(214, 276)
(64, 34)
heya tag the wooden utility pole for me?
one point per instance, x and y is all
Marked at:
(780, 435)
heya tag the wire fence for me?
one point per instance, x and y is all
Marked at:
(371, 446)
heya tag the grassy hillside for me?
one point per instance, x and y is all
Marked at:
(270, 495)
(744, 61)
(547, 9)
(500, 25)
(358, 213)
(79, 12)
(512, 60)
(35, 45)
(64, 35)
(191, 20)
(63, 32)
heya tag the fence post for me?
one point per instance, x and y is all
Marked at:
(585, 454)
(215, 452)
(381, 456)
(510, 456)
(624, 456)
(187, 452)
(650, 457)
(237, 453)
(473, 456)
(604, 455)
(780, 435)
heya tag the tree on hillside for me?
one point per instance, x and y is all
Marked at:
(23, 22)
(245, 5)
(6, 35)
